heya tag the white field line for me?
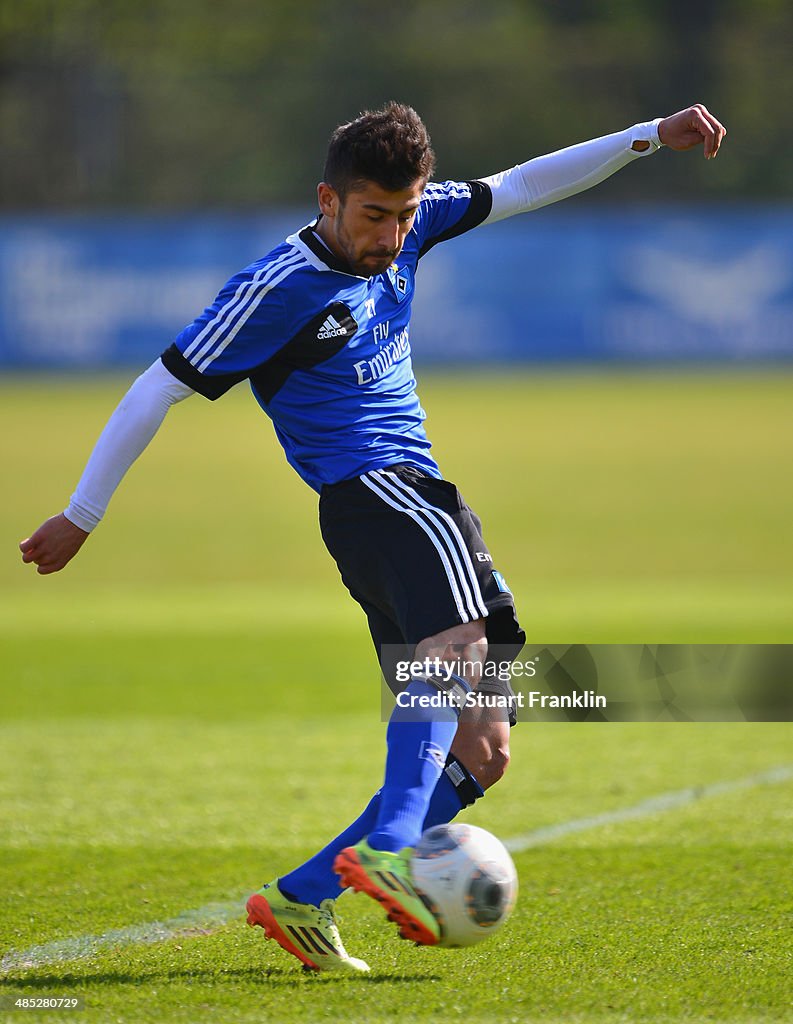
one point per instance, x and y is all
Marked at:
(214, 915)
(646, 808)
(190, 922)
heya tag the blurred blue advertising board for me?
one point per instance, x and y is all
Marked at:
(570, 283)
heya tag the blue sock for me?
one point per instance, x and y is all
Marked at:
(316, 880)
(418, 741)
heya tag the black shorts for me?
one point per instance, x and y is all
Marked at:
(411, 553)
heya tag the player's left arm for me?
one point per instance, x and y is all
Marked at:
(547, 179)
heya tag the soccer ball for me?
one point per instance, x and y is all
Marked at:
(467, 879)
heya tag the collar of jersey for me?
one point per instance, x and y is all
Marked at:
(310, 239)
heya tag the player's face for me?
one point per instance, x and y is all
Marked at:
(369, 228)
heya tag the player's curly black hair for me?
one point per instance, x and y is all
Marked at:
(390, 147)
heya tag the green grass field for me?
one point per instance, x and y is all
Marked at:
(192, 707)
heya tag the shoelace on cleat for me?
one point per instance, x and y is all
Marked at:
(328, 916)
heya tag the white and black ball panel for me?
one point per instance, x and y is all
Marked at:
(489, 894)
(468, 879)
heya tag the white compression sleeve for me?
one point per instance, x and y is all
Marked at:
(547, 179)
(128, 431)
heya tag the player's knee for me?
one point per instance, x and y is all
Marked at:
(487, 761)
(462, 647)
(493, 766)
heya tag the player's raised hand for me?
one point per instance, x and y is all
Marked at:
(54, 544)
(691, 127)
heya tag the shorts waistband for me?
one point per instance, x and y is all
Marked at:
(380, 469)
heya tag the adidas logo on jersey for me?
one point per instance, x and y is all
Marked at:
(330, 329)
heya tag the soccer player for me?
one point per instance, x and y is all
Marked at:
(320, 328)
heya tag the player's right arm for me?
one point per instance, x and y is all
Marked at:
(128, 432)
(233, 336)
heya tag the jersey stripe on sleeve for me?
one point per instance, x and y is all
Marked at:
(232, 316)
(480, 202)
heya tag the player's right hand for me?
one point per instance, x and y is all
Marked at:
(55, 543)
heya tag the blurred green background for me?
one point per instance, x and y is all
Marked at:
(646, 506)
(175, 104)
(639, 507)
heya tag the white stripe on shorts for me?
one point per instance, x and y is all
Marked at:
(459, 545)
(445, 536)
(430, 532)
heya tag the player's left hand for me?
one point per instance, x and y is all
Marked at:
(691, 127)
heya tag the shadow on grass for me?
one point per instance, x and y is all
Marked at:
(56, 983)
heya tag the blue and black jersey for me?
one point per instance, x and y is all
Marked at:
(327, 352)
